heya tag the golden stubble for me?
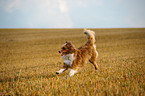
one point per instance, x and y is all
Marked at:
(29, 59)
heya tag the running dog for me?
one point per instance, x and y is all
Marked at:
(74, 58)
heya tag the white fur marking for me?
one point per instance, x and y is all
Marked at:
(61, 70)
(72, 72)
(63, 45)
(68, 59)
(95, 46)
(96, 50)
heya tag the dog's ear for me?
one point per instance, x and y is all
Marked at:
(69, 44)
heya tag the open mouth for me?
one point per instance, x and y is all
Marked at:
(64, 53)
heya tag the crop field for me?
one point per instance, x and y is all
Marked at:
(29, 59)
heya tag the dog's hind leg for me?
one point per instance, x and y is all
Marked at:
(93, 59)
(94, 63)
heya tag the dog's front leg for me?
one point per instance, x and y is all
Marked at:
(60, 71)
(65, 67)
(72, 72)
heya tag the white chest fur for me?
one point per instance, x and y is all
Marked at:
(68, 59)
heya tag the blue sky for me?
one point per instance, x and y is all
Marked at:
(72, 13)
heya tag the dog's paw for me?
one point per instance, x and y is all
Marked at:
(60, 71)
(72, 72)
(57, 72)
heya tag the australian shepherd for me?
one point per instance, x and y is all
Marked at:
(74, 58)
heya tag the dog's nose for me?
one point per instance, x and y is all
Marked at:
(59, 51)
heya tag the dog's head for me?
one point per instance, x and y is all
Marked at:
(67, 48)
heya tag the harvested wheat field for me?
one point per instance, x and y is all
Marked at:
(29, 59)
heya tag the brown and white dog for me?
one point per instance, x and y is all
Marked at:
(74, 58)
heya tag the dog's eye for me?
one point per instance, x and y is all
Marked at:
(63, 48)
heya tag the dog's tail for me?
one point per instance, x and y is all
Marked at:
(90, 35)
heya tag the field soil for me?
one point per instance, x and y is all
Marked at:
(29, 59)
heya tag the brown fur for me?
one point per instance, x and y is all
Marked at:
(81, 54)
